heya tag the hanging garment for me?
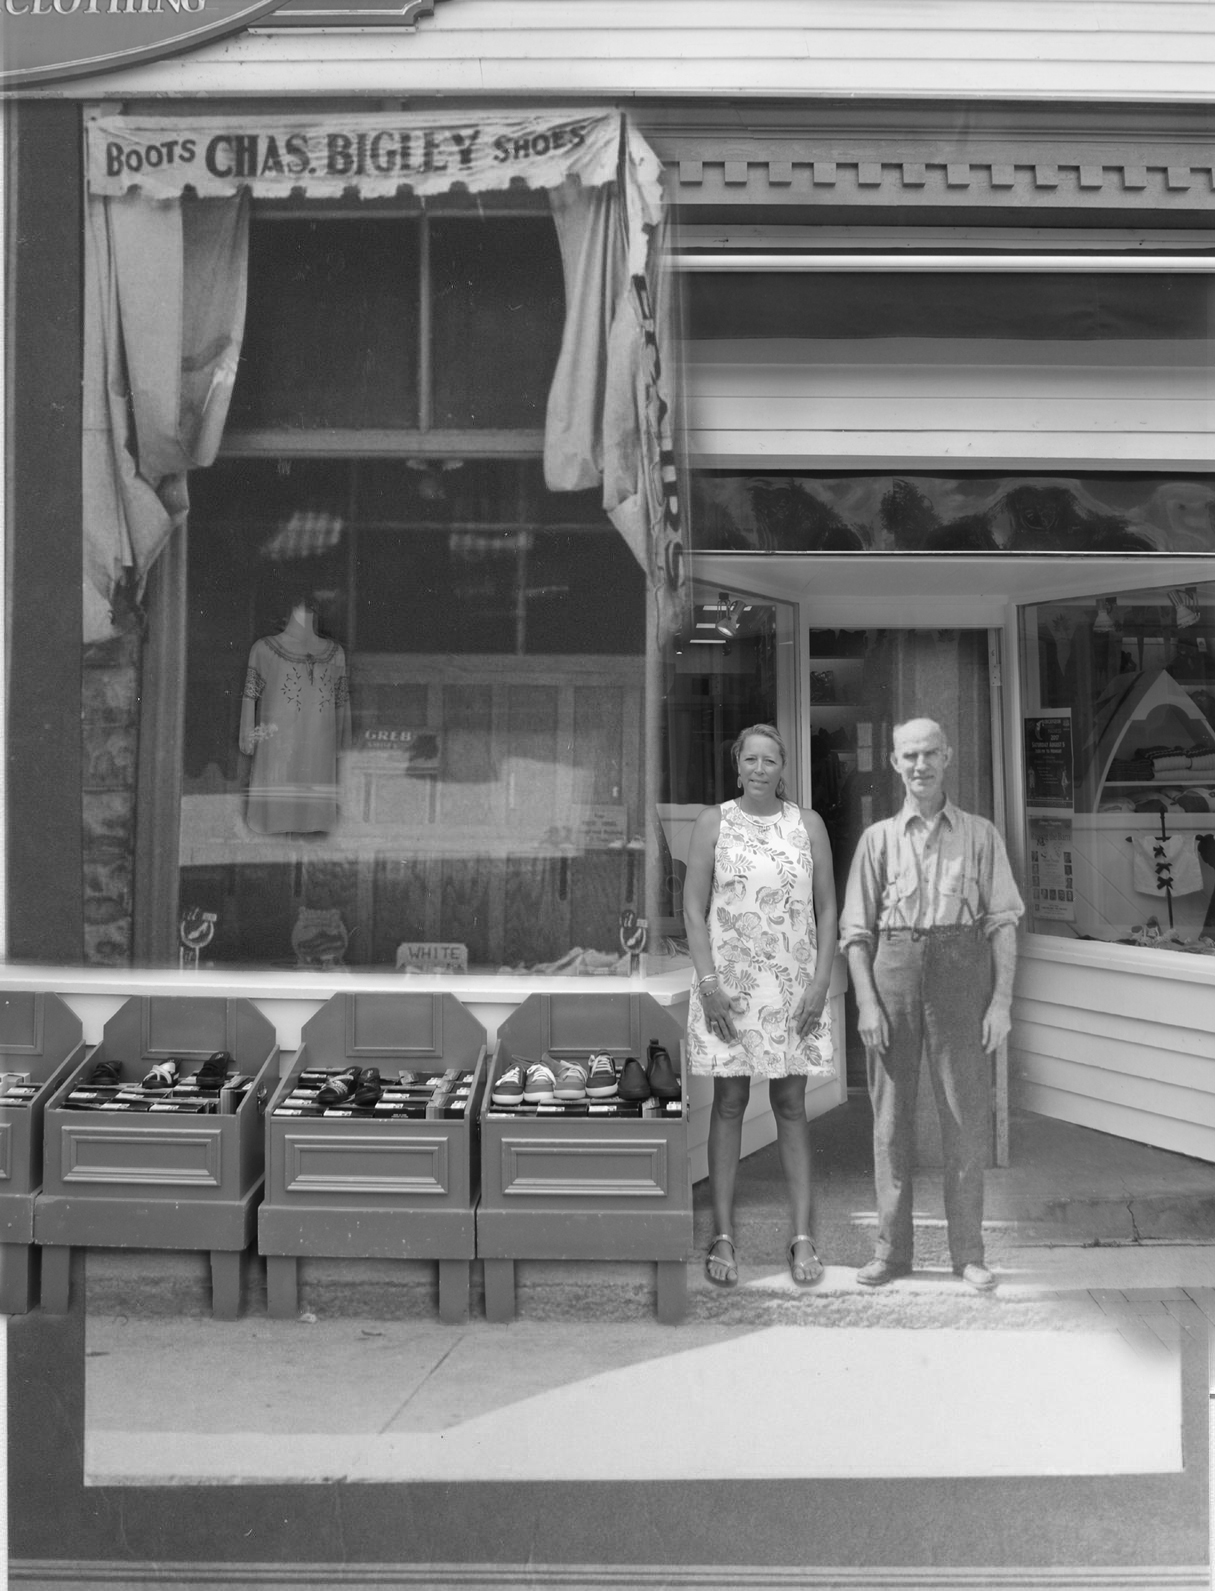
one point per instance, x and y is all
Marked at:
(1171, 864)
(295, 718)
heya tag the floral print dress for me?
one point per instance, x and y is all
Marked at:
(761, 928)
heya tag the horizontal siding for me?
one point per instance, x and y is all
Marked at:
(1129, 1052)
(1182, 1137)
(1109, 50)
(918, 399)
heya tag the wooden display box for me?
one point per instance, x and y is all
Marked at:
(585, 1187)
(356, 1187)
(159, 1181)
(40, 1035)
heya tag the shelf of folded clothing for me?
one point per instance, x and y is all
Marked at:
(577, 1181)
(395, 1177)
(40, 1043)
(165, 1167)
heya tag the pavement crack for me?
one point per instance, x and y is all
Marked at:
(410, 1396)
(1130, 1210)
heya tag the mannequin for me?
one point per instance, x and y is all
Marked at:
(294, 722)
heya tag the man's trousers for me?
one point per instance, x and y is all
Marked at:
(934, 985)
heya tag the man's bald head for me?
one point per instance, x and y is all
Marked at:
(920, 729)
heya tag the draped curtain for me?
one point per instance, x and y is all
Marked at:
(164, 318)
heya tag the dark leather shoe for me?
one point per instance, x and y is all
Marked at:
(339, 1089)
(664, 1079)
(878, 1272)
(976, 1275)
(633, 1084)
(370, 1087)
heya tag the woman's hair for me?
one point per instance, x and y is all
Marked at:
(769, 732)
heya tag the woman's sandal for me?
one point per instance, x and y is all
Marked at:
(730, 1279)
(811, 1269)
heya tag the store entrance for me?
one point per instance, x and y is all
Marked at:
(863, 681)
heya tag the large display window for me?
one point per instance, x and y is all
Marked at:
(414, 684)
(1119, 746)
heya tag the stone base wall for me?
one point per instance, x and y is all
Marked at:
(109, 743)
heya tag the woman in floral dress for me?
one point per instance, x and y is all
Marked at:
(759, 902)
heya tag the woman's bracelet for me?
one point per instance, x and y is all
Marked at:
(709, 977)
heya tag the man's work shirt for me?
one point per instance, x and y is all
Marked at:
(912, 872)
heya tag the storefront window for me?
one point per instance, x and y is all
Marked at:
(483, 790)
(1119, 747)
(414, 682)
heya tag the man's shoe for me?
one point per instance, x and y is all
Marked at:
(976, 1275)
(634, 1084)
(878, 1272)
(571, 1080)
(508, 1090)
(664, 1080)
(370, 1088)
(601, 1079)
(539, 1084)
(339, 1090)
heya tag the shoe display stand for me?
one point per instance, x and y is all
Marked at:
(41, 1036)
(153, 1180)
(585, 1187)
(362, 1187)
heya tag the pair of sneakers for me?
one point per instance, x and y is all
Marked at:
(551, 1080)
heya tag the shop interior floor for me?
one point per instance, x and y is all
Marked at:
(374, 1401)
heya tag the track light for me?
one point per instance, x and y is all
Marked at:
(728, 619)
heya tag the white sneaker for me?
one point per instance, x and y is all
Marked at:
(571, 1080)
(538, 1086)
(508, 1090)
(601, 1081)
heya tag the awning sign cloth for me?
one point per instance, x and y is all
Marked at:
(376, 154)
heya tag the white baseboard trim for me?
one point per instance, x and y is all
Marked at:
(66, 1575)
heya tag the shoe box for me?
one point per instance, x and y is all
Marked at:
(142, 1152)
(395, 1176)
(41, 1043)
(587, 1179)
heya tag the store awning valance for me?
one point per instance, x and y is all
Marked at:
(376, 154)
(166, 249)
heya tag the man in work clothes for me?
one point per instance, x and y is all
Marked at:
(929, 928)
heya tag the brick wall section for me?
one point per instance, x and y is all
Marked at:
(109, 741)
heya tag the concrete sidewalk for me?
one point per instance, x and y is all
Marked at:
(1101, 1248)
(264, 1402)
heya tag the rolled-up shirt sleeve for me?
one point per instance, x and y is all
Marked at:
(863, 897)
(1000, 898)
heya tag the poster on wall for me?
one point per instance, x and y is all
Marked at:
(1051, 875)
(1048, 760)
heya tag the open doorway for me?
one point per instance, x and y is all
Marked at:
(863, 681)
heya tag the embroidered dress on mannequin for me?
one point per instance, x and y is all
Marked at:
(295, 719)
(762, 930)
